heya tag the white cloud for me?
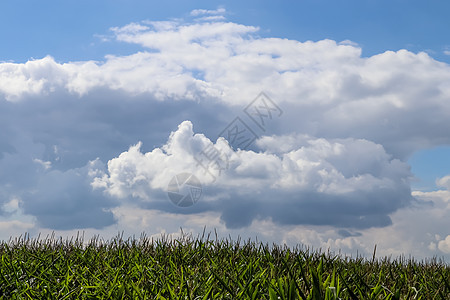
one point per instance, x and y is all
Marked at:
(211, 18)
(33, 77)
(444, 245)
(45, 164)
(11, 206)
(134, 173)
(198, 12)
(353, 174)
(444, 182)
(349, 42)
(132, 28)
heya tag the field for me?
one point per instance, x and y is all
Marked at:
(205, 268)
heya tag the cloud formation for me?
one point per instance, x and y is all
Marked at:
(348, 182)
(396, 99)
(84, 143)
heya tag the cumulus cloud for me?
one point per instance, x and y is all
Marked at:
(350, 183)
(328, 85)
(336, 157)
(444, 245)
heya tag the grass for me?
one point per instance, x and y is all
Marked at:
(205, 268)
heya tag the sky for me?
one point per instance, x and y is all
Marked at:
(322, 123)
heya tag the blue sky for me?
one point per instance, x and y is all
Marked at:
(66, 29)
(102, 103)
(429, 165)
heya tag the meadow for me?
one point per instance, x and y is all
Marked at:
(206, 268)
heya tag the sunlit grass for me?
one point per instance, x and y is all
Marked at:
(205, 268)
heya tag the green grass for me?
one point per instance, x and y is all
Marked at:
(205, 268)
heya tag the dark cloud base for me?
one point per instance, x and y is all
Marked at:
(356, 210)
(69, 131)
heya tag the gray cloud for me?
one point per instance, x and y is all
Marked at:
(65, 200)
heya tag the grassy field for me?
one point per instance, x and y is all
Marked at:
(205, 268)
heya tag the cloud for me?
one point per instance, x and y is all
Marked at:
(198, 12)
(31, 78)
(444, 182)
(11, 206)
(65, 200)
(444, 245)
(211, 18)
(348, 183)
(14, 228)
